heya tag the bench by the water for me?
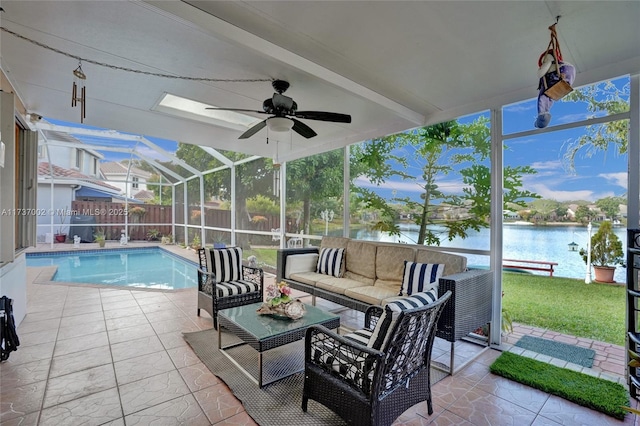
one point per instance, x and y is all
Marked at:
(530, 265)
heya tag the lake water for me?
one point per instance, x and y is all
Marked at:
(524, 242)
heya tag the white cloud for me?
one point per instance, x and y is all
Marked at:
(619, 178)
(151, 153)
(521, 107)
(447, 186)
(547, 165)
(572, 118)
(545, 192)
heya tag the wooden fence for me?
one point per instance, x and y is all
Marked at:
(111, 217)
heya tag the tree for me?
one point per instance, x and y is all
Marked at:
(603, 97)
(313, 179)
(440, 150)
(252, 178)
(584, 214)
(545, 207)
(610, 206)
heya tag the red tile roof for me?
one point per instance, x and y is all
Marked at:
(43, 170)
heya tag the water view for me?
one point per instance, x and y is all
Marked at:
(543, 243)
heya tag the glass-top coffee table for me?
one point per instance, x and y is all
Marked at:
(264, 332)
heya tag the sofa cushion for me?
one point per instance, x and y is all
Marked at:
(453, 263)
(306, 262)
(309, 278)
(334, 242)
(373, 295)
(337, 285)
(361, 258)
(226, 263)
(390, 261)
(384, 327)
(419, 277)
(330, 261)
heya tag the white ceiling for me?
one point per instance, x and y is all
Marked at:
(392, 65)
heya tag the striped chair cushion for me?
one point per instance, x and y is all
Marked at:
(234, 288)
(352, 366)
(419, 277)
(330, 261)
(225, 264)
(384, 327)
(362, 336)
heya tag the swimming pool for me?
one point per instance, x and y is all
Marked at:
(136, 267)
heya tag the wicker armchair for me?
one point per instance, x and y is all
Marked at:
(366, 386)
(234, 283)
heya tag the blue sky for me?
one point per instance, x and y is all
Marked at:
(600, 175)
(596, 176)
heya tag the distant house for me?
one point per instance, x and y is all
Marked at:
(116, 173)
(510, 215)
(75, 172)
(145, 196)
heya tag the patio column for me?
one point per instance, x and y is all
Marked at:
(633, 149)
(497, 188)
(346, 210)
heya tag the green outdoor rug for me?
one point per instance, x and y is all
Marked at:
(564, 351)
(277, 404)
(591, 392)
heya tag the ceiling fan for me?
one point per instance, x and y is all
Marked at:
(284, 111)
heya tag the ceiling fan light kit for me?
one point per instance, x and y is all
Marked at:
(279, 124)
(283, 111)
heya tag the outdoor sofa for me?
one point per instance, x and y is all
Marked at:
(360, 274)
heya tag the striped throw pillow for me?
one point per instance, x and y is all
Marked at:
(330, 261)
(385, 324)
(226, 263)
(418, 277)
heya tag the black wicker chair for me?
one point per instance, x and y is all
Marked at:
(234, 283)
(366, 386)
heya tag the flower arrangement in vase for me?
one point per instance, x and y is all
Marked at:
(280, 303)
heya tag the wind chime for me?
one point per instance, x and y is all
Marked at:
(78, 81)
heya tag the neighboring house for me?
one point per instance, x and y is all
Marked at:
(82, 159)
(145, 196)
(69, 185)
(510, 215)
(116, 174)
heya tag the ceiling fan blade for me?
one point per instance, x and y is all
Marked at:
(324, 116)
(255, 129)
(237, 110)
(302, 129)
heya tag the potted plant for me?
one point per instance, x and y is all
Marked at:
(100, 238)
(60, 236)
(606, 253)
(167, 239)
(153, 234)
(195, 243)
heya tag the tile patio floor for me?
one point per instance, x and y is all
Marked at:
(96, 356)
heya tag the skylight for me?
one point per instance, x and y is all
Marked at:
(187, 108)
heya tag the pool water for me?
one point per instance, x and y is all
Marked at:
(146, 268)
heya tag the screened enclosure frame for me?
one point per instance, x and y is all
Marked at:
(495, 252)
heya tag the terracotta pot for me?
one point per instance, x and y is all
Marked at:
(61, 238)
(604, 274)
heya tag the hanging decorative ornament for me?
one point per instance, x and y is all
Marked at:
(555, 78)
(78, 81)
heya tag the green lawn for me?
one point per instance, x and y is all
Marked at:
(566, 305)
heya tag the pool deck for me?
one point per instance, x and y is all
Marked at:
(133, 337)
